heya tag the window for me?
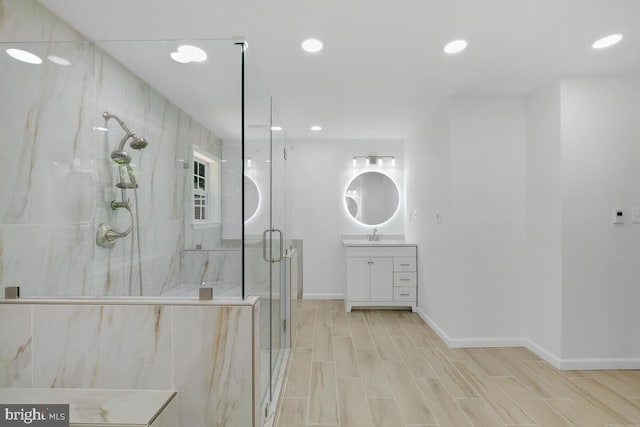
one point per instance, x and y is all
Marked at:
(206, 189)
(200, 190)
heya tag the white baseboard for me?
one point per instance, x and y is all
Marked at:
(595, 364)
(322, 296)
(543, 353)
(469, 342)
(564, 364)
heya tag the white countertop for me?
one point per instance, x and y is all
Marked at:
(384, 240)
(95, 406)
(376, 243)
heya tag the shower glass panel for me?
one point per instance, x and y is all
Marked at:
(117, 168)
(265, 231)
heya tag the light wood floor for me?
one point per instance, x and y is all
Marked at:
(388, 368)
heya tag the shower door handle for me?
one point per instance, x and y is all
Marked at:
(264, 245)
(281, 254)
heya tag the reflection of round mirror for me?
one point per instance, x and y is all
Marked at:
(352, 206)
(251, 198)
(375, 197)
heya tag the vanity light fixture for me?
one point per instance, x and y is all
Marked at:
(377, 160)
(276, 128)
(316, 128)
(607, 41)
(249, 163)
(24, 56)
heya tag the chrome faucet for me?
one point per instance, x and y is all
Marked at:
(375, 236)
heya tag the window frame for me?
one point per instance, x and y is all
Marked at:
(210, 195)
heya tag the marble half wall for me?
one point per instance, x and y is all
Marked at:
(204, 351)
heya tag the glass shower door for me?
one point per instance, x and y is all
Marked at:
(279, 249)
(264, 229)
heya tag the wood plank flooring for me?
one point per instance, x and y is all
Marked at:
(388, 368)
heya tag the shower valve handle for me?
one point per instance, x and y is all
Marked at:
(106, 235)
(112, 235)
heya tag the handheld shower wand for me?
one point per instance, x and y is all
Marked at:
(106, 234)
(123, 159)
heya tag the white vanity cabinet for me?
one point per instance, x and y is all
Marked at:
(380, 275)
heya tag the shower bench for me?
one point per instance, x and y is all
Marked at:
(101, 408)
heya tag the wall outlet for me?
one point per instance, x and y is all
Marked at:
(438, 217)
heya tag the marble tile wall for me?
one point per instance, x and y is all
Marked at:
(219, 269)
(56, 176)
(16, 349)
(204, 352)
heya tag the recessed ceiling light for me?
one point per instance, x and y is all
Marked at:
(187, 53)
(316, 128)
(276, 128)
(24, 56)
(59, 60)
(312, 45)
(455, 46)
(607, 41)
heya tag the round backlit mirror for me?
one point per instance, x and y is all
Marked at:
(372, 198)
(251, 198)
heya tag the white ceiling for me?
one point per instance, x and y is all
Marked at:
(382, 66)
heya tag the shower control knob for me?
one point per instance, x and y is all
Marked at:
(106, 235)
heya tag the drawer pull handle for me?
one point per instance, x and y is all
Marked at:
(404, 295)
(404, 265)
(404, 280)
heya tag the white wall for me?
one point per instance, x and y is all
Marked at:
(526, 253)
(472, 264)
(600, 172)
(321, 172)
(543, 274)
(427, 177)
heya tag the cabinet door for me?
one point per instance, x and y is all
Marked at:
(357, 279)
(381, 279)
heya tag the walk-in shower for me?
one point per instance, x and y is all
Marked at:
(168, 214)
(106, 235)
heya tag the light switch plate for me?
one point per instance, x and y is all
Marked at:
(617, 216)
(635, 215)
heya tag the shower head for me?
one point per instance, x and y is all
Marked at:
(106, 115)
(121, 157)
(138, 142)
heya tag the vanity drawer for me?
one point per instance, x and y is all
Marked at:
(404, 293)
(404, 279)
(404, 264)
